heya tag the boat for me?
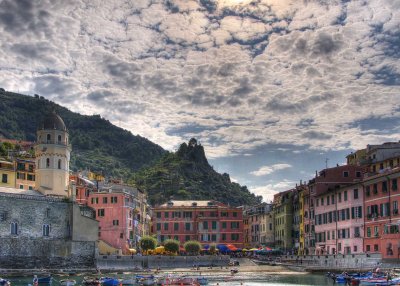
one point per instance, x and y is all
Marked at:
(202, 280)
(178, 281)
(146, 280)
(382, 281)
(42, 280)
(91, 281)
(4, 282)
(129, 281)
(67, 282)
(108, 281)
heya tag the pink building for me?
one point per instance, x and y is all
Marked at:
(118, 211)
(205, 221)
(339, 220)
(334, 213)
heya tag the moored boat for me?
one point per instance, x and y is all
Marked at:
(91, 281)
(148, 280)
(68, 282)
(42, 280)
(108, 281)
(4, 282)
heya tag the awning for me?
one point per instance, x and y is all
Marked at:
(231, 247)
(132, 250)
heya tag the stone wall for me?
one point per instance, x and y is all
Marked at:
(26, 253)
(112, 262)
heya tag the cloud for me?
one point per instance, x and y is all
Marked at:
(268, 191)
(266, 170)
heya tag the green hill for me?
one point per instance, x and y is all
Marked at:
(97, 144)
(186, 174)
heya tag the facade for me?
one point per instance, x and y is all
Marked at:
(52, 151)
(259, 230)
(381, 213)
(25, 177)
(339, 220)
(302, 193)
(7, 173)
(120, 214)
(205, 221)
(283, 214)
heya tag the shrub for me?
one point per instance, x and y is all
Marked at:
(171, 245)
(192, 247)
(148, 243)
(213, 248)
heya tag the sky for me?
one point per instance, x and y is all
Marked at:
(273, 89)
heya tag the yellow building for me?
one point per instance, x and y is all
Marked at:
(302, 192)
(7, 174)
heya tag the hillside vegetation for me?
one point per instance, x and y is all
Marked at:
(186, 174)
(97, 144)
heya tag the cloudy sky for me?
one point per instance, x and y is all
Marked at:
(271, 88)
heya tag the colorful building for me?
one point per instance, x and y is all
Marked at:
(259, 221)
(381, 209)
(302, 194)
(205, 221)
(339, 220)
(7, 173)
(119, 214)
(25, 178)
(283, 215)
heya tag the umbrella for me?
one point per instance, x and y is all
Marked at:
(253, 249)
(231, 247)
(159, 250)
(245, 249)
(132, 250)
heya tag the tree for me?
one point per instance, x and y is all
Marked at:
(213, 248)
(171, 245)
(192, 247)
(148, 243)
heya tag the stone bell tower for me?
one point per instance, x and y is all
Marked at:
(52, 152)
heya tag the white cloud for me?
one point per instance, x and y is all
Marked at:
(268, 191)
(266, 170)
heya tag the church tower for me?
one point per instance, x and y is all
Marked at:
(52, 151)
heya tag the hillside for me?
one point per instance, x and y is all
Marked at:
(97, 144)
(186, 174)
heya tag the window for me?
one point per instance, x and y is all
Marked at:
(394, 184)
(187, 226)
(114, 200)
(376, 231)
(47, 162)
(376, 247)
(395, 207)
(355, 194)
(115, 222)
(234, 236)
(368, 247)
(121, 235)
(59, 139)
(205, 224)
(327, 200)
(100, 212)
(105, 200)
(176, 214)
(224, 214)
(224, 225)
(59, 164)
(187, 214)
(213, 237)
(317, 202)
(375, 189)
(367, 191)
(30, 188)
(345, 196)
(358, 174)
(339, 197)
(176, 226)
(4, 178)
(345, 174)
(158, 214)
(214, 225)
(187, 237)
(48, 138)
(165, 226)
(235, 214)
(166, 214)
(31, 177)
(223, 237)
(14, 228)
(235, 225)
(46, 230)
(384, 187)
(357, 231)
(158, 226)
(21, 187)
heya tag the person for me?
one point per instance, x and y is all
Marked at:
(35, 280)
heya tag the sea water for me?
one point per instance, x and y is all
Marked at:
(221, 280)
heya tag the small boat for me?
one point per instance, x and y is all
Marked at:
(108, 281)
(148, 280)
(91, 281)
(42, 280)
(68, 282)
(4, 282)
(379, 282)
(234, 271)
(202, 280)
(129, 281)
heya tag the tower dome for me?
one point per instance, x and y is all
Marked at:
(52, 121)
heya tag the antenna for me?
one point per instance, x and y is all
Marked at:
(326, 163)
